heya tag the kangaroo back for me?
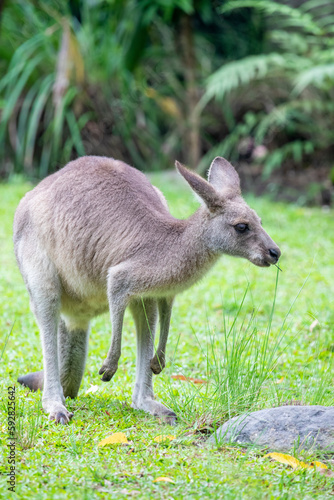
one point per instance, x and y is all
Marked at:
(90, 215)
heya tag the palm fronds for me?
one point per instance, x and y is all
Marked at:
(36, 104)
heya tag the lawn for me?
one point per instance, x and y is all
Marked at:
(224, 332)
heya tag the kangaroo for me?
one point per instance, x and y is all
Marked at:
(96, 235)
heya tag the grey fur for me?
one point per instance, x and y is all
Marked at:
(96, 236)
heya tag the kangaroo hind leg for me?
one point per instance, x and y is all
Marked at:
(44, 288)
(72, 354)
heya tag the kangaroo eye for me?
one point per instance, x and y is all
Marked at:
(241, 228)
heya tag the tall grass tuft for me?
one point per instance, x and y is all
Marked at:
(240, 360)
(28, 424)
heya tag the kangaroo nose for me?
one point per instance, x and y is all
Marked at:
(275, 254)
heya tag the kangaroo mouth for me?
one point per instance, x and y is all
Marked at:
(263, 262)
(266, 259)
(263, 259)
(273, 261)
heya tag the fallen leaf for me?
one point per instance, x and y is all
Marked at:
(179, 377)
(294, 462)
(166, 479)
(189, 379)
(319, 464)
(117, 438)
(279, 381)
(93, 388)
(161, 439)
(288, 459)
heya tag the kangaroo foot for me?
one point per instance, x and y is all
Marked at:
(33, 381)
(156, 409)
(57, 412)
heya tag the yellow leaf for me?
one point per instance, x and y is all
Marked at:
(280, 380)
(117, 438)
(294, 462)
(320, 465)
(161, 439)
(167, 104)
(151, 93)
(287, 459)
(303, 465)
(166, 479)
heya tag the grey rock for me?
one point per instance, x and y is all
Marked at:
(282, 428)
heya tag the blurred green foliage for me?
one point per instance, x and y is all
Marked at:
(149, 81)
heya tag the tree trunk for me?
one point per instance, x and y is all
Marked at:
(192, 149)
(2, 6)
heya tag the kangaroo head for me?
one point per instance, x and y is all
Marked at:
(232, 227)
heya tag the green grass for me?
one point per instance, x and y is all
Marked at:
(213, 338)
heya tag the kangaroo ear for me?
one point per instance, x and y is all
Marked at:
(202, 188)
(223, 176)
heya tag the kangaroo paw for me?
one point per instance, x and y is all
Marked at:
(33, 381)
(157, 364)
(108, 370)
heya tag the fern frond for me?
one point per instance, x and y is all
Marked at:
(315, 105)
(293, 116)
(237, 73)
(321, 6)
(319, 76)
(290, 42)
(293, 17)
(276, 120)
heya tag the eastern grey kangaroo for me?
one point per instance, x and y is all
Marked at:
(96, 235)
